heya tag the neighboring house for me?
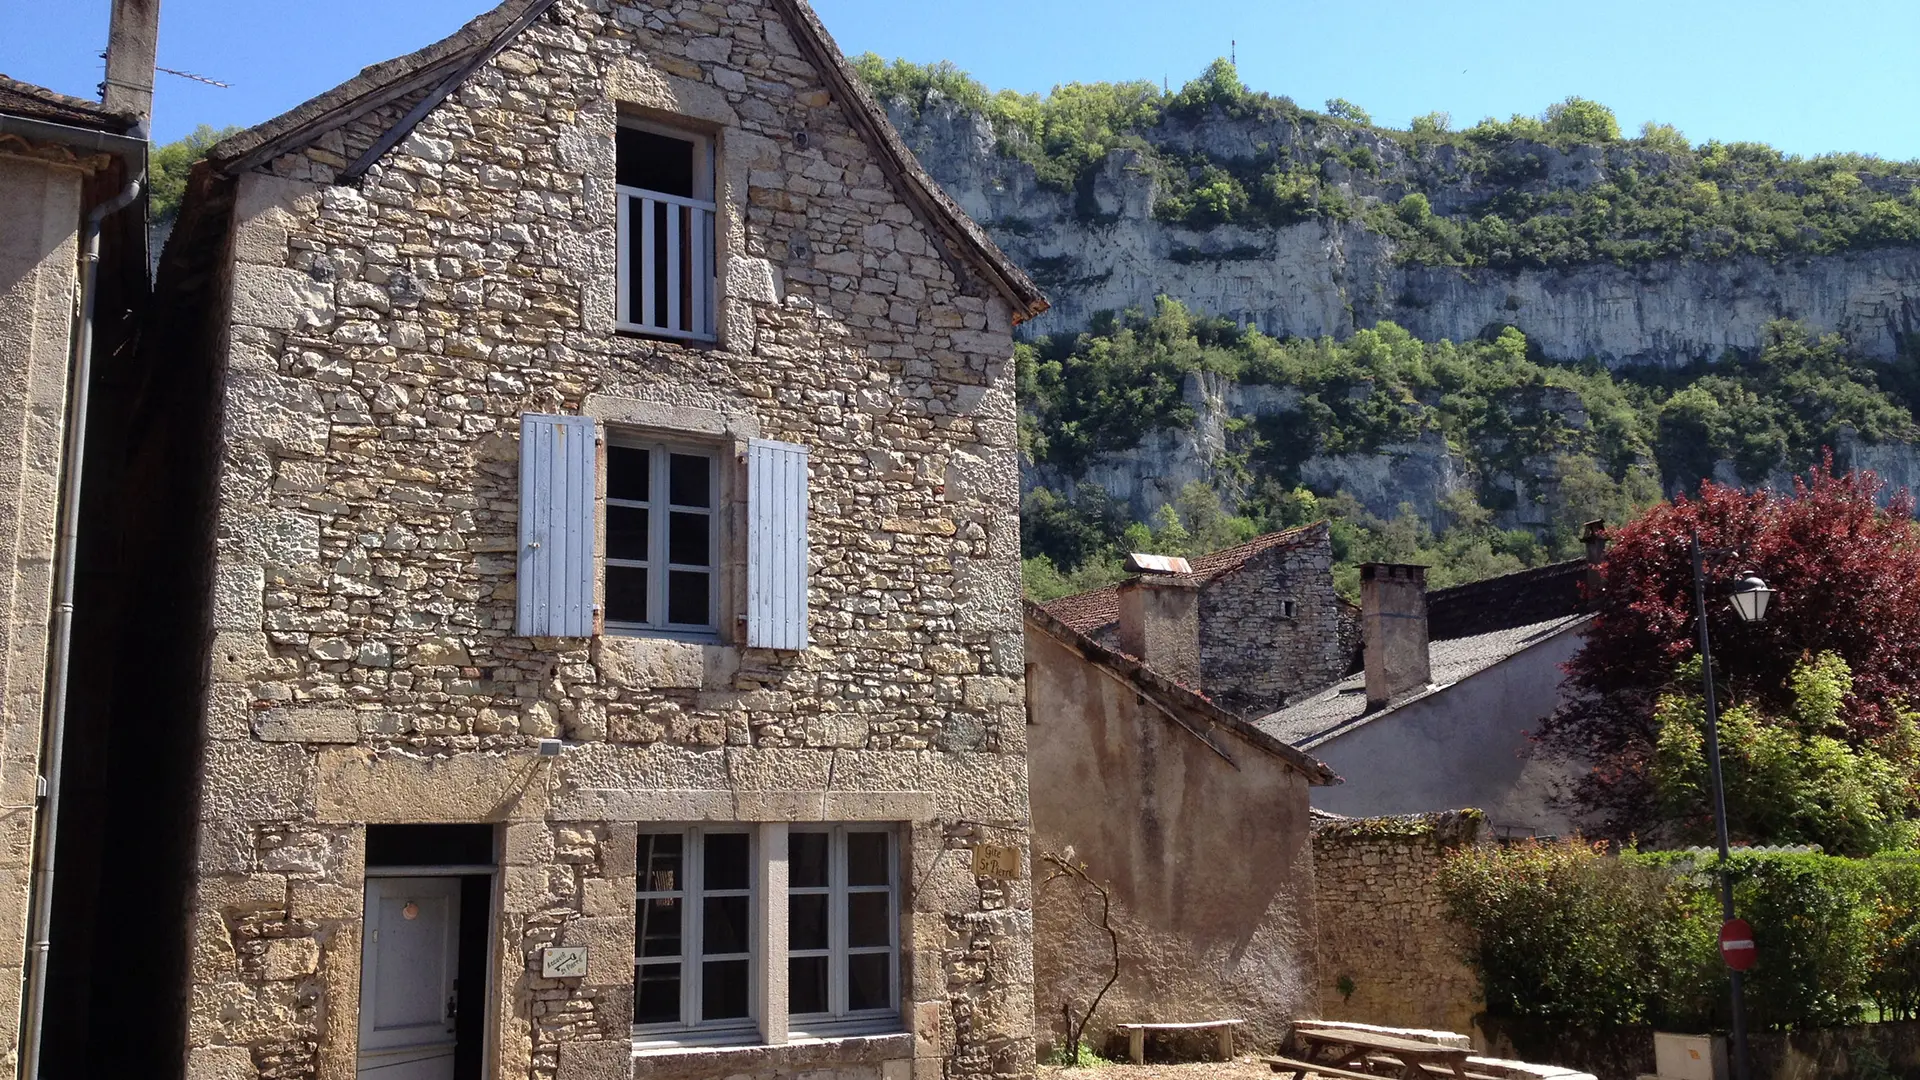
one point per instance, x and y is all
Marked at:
(73, 289)
(1268, 625)
(1194, 821)
(615, 649)
(1451, 686)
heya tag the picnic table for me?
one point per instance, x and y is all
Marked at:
(1353, 1052)
(1137, 1036)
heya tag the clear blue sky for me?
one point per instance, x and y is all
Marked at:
(1808, 78)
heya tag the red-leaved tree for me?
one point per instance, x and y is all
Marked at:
(1847, 577)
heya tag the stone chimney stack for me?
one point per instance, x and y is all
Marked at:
(1160, 617)
(133, 41)
(1393, 613)
(1594, 535)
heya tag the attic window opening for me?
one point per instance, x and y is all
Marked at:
(668, 268)
(1286, 609)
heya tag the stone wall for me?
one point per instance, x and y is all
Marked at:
(383, 341)
(1383, 932)
(1253, 653)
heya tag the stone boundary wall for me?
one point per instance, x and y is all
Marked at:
(1382, 922)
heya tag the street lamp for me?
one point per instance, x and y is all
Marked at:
(1750, 598)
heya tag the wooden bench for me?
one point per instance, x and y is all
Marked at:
(1351, 1048)
(1302, 1068)
(1137, 1036)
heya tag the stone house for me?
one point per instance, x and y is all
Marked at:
(1439, 715)
(1168, 818)
(611, 657)
(1268, 623)
(73, 288)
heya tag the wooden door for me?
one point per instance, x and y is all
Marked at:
(409, 962)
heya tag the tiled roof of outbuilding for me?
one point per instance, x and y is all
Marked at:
(1087, 612)
(19, 98)
(1517, 599)
(1342, 707)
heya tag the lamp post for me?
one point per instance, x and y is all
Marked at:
(1750, 598)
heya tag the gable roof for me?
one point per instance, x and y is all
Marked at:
(1342, 708)
(33, 102)
(439, 69)
(1087, 612)
(1180, 704)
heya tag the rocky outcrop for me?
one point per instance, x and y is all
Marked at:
(1100, 248)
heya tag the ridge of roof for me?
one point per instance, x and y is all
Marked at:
(1088, 611)
(448, 61)
(21, 98)
(1340, 707)
(1171, 695)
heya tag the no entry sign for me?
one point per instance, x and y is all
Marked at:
(1736, 944)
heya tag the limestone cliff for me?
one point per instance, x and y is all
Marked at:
(1101, 248)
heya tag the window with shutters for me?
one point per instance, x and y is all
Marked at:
(702, 966)
(667, 257)
(662, 537)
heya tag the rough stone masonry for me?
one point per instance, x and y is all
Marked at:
(381, 341)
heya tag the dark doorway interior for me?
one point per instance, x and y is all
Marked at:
(429, 846)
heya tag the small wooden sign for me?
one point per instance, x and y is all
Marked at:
(563, 961)
(996, 861)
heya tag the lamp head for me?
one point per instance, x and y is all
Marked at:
(1750, 598)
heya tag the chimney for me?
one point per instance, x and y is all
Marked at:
(1160, 617)
(1594, 535)
(133, 38)
(1393, 613)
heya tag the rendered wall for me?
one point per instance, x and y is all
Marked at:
(1464, 746)
(1208, 863)
(39, 259)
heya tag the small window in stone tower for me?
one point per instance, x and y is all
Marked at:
(1286, 609)
(664, 181)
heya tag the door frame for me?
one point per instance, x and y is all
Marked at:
(489, 1019)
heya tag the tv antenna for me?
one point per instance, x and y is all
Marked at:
(1233, 52)
(195, 78)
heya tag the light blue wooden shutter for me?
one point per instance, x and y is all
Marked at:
(555, 587)
(776, 545)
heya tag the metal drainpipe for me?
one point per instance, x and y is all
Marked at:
(32, 1019)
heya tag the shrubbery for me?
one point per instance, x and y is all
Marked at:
(1566, 933)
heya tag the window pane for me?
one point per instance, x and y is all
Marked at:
(726, 862)
(807, 860)
(626, 533)
(658, 1001)
(689, 480)
(626, 594)
(807, 921)
(724, 929)
(655, 162)
(869, 981)
(687, 540)
(723, 990)
(687, 597)
(807, 985)
(867, 858)
(867, 918)
(659, 932)
(660, 861)
(629, 473)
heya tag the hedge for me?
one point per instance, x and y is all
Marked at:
(1567, 933)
